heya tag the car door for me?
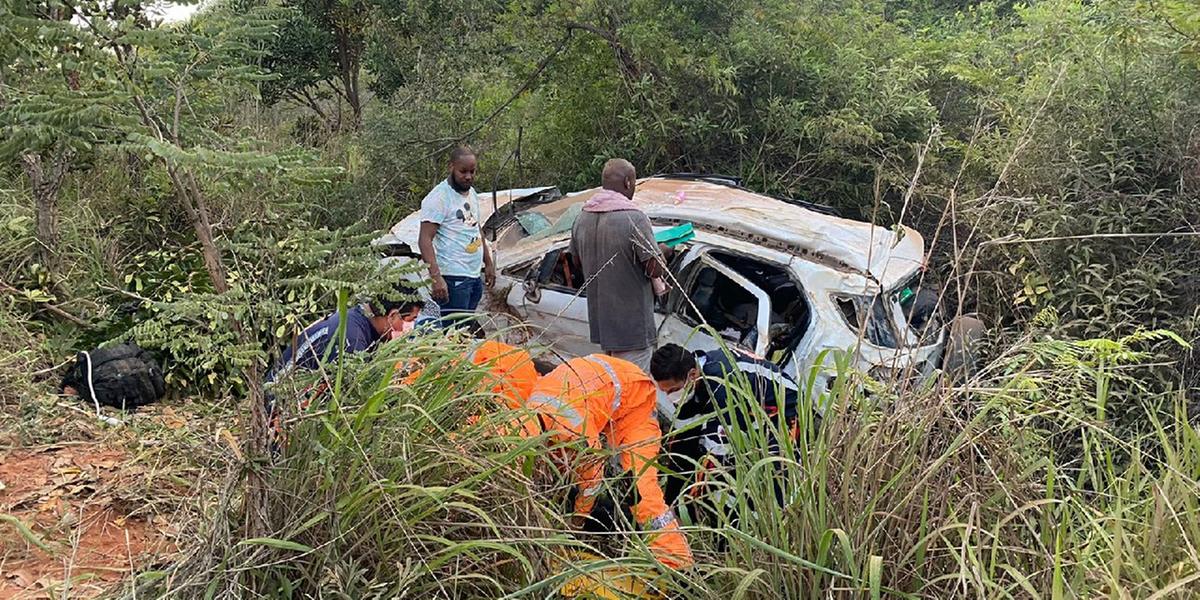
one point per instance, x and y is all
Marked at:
(546, 300)
(694, 304)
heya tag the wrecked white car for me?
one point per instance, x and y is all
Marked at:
(781, 279)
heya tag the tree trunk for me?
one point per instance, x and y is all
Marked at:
(46, 181)
(306, 99)
(254, 505)
(193, 204)
(348, 67)
(188, 192)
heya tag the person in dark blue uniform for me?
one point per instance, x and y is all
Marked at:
(367, 325)
(704, 377)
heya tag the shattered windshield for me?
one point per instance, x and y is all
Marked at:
(533, 223)
(562, 225)
(874, 315)
(871, 316)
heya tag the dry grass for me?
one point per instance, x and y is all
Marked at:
(102, 503)
(953, 492)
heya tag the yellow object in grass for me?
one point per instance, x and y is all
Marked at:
(606, 583)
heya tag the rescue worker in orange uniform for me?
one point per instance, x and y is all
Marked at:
(596, 395)
(511, 375)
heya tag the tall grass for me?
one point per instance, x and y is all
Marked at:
(390, 490)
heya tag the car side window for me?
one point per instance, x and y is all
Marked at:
(557, 270)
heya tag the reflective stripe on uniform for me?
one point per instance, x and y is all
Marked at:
(715, 448)
(303, 348)
(588, 492)
(775, 377)
(662, 520)
(616, 403)
(564, 409)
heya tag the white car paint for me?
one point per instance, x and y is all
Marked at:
(826, 256)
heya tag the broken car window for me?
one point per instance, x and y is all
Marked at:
(874, 312)
(724, 305)
(557, 270)
(561, 225)
(533, 223)
(922, 312)
(790, 314)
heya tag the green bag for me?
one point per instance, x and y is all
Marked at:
(676, 235)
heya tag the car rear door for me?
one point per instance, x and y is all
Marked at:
(692, 305)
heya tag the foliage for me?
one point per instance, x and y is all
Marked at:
(280, 284)
(1047, 151)
(386, 487)
(975, 122)
(20, 354)
(321, 42)
(52, 93)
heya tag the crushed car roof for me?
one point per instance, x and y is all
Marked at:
(887, 255)
(851, 245)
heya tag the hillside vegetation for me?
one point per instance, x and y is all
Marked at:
(207, 187)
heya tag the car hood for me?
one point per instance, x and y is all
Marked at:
(409, 228)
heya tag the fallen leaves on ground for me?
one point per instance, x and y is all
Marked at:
(71, 496)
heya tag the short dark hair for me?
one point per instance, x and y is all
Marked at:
(404, 298)
(462, 151)
(671, 363)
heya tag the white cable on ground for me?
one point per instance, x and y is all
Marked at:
(92, 391)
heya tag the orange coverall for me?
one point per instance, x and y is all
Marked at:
(512, 376)
(593, 395)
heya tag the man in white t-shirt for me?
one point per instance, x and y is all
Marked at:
(451, 241)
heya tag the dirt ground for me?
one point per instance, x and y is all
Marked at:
(104, 507)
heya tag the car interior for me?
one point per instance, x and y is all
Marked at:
(733, 311)
(557, 270)
(712, 298)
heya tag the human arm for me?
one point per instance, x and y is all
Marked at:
(648, 253)
(489, 266)
(573, 249)
(440, 291)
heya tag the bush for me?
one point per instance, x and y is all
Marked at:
(386, 489)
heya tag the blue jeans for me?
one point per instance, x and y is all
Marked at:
(465, 293)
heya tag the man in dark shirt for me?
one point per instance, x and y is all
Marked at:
(614, 244)
(707, 376)
(366, 324)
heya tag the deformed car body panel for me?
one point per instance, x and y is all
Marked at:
(810, 257)
(840, 243)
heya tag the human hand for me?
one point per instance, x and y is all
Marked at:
(489, 275)
(440, 291)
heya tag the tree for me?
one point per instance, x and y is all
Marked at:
(53, 106)
(176, 85)
(318, 55)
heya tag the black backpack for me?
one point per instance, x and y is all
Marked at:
(123, 376)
